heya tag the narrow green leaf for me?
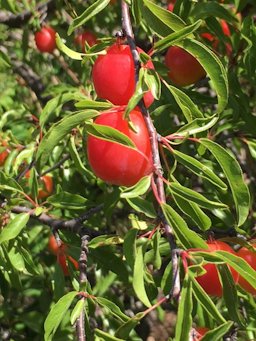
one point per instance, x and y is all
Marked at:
(109, 134)
(57, 313)
(189, 109)
(127, 327)
(172, 38)
(156, 248)
(67, 200)
(129, 246)
(198, 125)
(105, 336)
(230, 294)
(163, 22)
(63, 48)
(112, 308)
(59, 131)
(141, 205)
(212, 66)
(193, 196)
(187, 238)
(206, 301)
(184, 315)
(15, 226)
(139, 189)
(77, 310)
(89, 13)
(234, 175)
(193, 211)
(199, 169)
(217, 333)
(138, 277)
(90, 104)
(212, 9)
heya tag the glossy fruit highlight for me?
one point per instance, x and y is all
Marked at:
(184, 69)
(115, 163)
(210, 281)
(114, 78)
(45, 39)
(250, 257)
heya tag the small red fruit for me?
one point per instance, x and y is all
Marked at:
(250, 257)
(45, 185)
(45, 39)
(115, 163)
(4, 154)
(114, 78)
(60, 252)
(200, 333)
(86, 36)
(210, 281)
(184, 69)
(170, 7)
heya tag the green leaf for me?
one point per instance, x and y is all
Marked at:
(199, 169)
(198, 125)
(163, 22)
(105, 336)
(230, 294)
(217, 333)
(57, 314)
(88, 14)
(212, 66)
(184, 315)
(138, 277)
(138, 189)
(206, 302)
(189, 109)
(54, 105)
(127, 327)
(212, 9)
(187, 238)
(194, 212)
(234, 175)
(112, 308)
(14, 227)
(193, 196)
(68, 201)
(90, 104)
(110, 134)
(141, 205)
(70, 53)
(172, 38)
(77, 310)
(129, 246)
(59, 131)
(156, 248)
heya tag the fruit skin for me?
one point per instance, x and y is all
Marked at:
(114, 78)
(215, 42)
(45, 39)
(250, 257)
(86, 36)
(201, 331)
(60, 252)
(4, 154)
(210, 281)
(115, 163)
(184, 69)
(170, 7)
(47, 185)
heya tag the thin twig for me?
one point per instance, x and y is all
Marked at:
(127, 29)
(19, 20)
(57, 165)
(74, 225)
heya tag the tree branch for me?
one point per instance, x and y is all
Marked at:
(127, 29)
(18, 20)
(74, 225)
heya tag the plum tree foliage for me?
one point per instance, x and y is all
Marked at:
(126, 260)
